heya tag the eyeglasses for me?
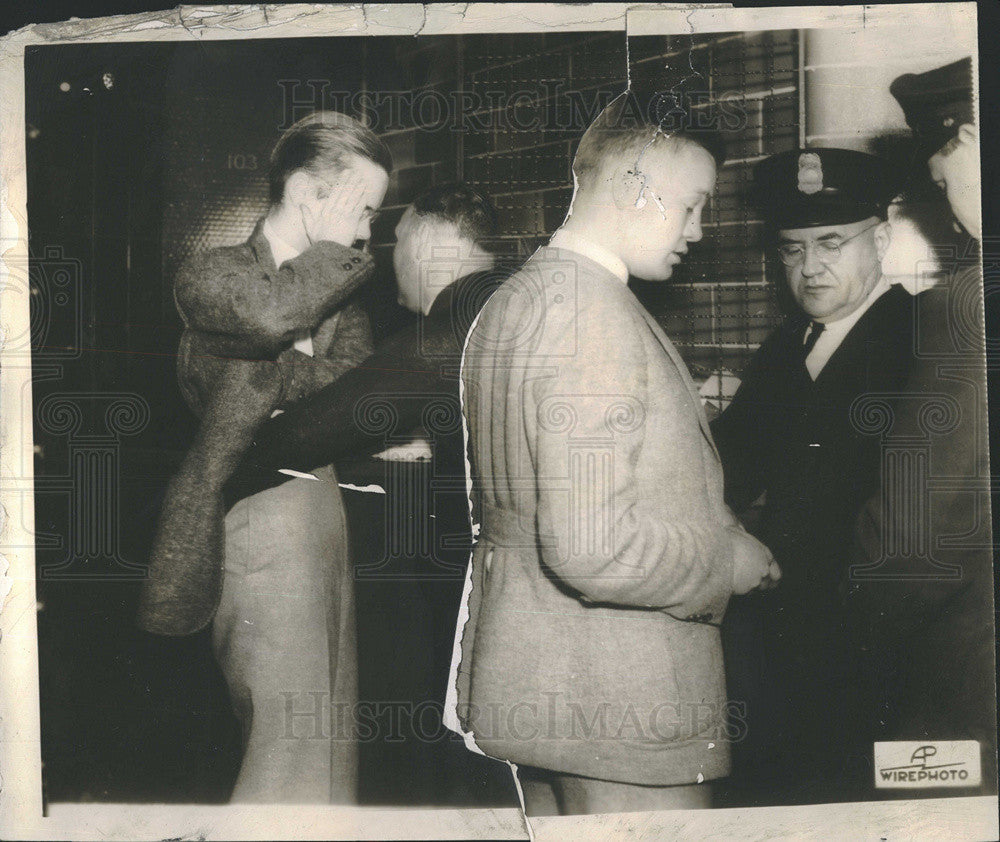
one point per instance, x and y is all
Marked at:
(828, 251)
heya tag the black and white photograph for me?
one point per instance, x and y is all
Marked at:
(522, 421)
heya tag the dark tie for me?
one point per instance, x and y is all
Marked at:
(814, 334)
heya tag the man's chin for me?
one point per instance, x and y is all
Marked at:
(816, 307)
(816, 315)
(653, 274)
(970, 226)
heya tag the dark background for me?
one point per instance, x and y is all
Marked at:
(124, 182)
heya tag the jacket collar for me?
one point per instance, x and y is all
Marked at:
(571, 241)
(260, 247)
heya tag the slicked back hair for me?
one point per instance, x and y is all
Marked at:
(322, 142)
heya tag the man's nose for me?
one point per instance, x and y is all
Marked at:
(693, 232)
(811, 264)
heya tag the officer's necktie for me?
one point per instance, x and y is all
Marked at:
(814, 334)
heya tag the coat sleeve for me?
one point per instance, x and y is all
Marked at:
(738, 437)
(903, 595)
(405, 372)
(226, 291)
(347, 340)
(597, 535)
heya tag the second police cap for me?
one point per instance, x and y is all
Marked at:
(804, 188)
(936, 103)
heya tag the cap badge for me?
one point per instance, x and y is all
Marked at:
(949, 122)
(810, 173)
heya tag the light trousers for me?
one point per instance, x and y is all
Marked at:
(285, 639)
(552, 793)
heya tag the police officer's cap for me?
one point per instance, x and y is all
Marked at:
(804, 188)
(936, 103)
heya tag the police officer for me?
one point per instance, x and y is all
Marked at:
(939, 109)
(926, 616)
(789, 435)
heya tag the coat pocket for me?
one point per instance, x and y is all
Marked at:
(700, 681)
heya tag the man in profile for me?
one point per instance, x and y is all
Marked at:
(921, 588)
(444, 273)
(606, 555)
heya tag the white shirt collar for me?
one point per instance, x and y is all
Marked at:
(570, 241)
(281, 250)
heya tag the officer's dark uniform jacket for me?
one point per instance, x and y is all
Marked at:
(929, 639)
(924, 625)
(410, 378)
(797, 442)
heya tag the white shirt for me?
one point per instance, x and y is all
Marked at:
(834, 332)
(282, 251)
(563, 239)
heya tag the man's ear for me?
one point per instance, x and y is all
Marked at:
(883, 236)
(968, 133)
(626, 188)
(423, 233)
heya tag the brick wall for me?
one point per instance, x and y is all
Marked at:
(515, 107)
(523, 159)
(721, 303)
(503, 112)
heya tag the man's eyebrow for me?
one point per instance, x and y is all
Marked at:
(833, 235)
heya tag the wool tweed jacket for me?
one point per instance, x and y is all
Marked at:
(242, 314)
(605, 558)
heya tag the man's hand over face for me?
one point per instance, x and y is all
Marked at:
(338, 216)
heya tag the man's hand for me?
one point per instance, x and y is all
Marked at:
(339, 216)
(754, 568)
